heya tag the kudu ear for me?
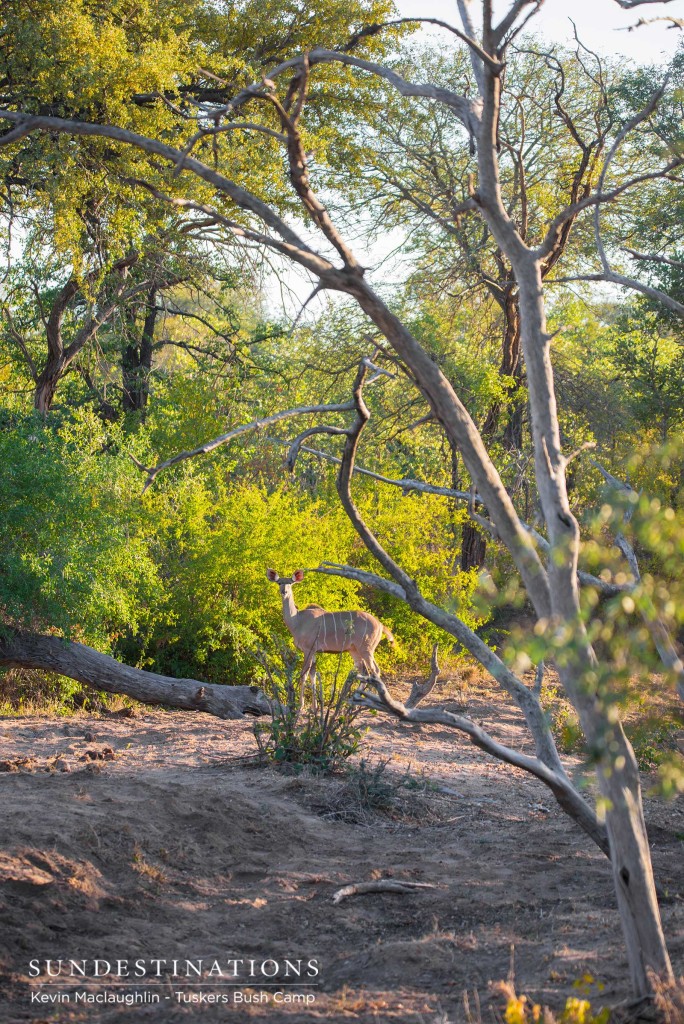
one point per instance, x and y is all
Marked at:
(298, 576)
(272, 575)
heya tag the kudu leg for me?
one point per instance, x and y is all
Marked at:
(363, 662)
(312, 680)
(307, 668)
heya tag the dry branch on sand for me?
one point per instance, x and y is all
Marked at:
(381, 885)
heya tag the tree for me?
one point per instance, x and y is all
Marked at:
(551, 136)
(88, 250)
(548, 565)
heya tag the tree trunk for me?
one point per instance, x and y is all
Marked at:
(47, 384)
(620, 787)
(52, 654)
(617, 772)
(510, 366)
(474, 543)
(473, 547)
(136, 361)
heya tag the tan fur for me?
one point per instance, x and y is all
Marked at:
(316, 631)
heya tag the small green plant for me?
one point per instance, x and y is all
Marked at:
(320, 732)
(522, 1010)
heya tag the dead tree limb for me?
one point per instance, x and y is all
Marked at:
(245, 428)
(381, 885)
(562, 788)
(19, 649)
(419, 691)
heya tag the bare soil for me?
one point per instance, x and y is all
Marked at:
(157, 836)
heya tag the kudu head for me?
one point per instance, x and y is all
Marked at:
(285, 581)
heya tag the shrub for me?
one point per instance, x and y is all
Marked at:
(318, 730)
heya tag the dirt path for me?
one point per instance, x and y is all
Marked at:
(169, 845)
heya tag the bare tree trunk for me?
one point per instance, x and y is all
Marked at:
(618, 775)
(52, 654)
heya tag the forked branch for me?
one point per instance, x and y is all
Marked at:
(565, 793)
(245, 428)
(419, 691)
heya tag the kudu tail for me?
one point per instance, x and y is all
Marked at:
(388, 633)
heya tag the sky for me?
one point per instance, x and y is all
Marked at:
(600, 24)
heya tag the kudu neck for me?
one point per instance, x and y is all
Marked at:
(289, 606)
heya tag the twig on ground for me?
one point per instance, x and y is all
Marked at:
(381, 885)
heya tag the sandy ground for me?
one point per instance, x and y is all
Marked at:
(163, 840)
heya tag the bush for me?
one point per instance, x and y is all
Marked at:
(173, 580)
(318, 730)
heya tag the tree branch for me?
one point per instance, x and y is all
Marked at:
(419, 691)
(19, 649)
(462, 107)
(259, 424)
(559, 784)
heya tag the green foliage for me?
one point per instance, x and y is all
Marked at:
(73, 556)
(174, 579)
(320, 733)
(522, 1010)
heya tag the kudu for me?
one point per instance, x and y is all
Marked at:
(316, 631)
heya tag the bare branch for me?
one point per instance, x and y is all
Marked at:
(608, 272)
(470, 30)
(628, 5)
(672, 23)
(407, 486)
(14, 135)
(299, 172)
(209, 446)
(466, 37)
(559, 784)
(598, 198)
(76, 661)
(507, 22)
(654, 258)
(380, 885)
(419, 691)
(295, 446)
(463, 107)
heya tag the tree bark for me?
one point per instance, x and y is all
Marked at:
(136, 361)
(47, 383)
(53, 654)
(473, 547)
(618, 775)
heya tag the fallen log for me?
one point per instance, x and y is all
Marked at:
(19, 649)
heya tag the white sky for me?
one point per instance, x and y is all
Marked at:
(598, 23)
